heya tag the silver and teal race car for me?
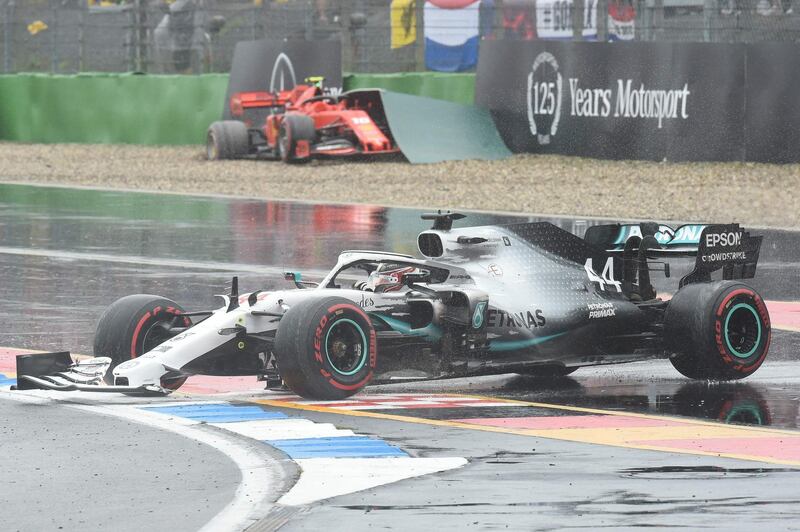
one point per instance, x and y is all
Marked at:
(526, 298)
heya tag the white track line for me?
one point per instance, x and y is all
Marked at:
(284, 429)
(324, 478)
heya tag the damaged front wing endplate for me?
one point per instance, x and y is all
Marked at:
(58, 371)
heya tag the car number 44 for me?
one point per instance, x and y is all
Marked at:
(607, 277)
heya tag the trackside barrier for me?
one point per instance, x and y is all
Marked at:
(155, 109)
(458, 88)
(109, 108)
(429, 130)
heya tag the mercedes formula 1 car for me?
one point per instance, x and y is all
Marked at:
(300, 124)
(527, 298)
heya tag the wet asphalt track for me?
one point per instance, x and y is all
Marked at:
(65, 254)
(64, 469)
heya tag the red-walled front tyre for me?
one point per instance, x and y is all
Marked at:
(326, 348)
(717, 331)
(295, 137)
(133, 325)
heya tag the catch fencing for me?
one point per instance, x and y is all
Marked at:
(198, 36)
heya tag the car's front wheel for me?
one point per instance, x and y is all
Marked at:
(133, 325)
(326, 348)
(295, 137)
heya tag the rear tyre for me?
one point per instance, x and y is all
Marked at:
(135, 324)
(295, 137)
(326, 348)
(227, 139)
(717, 331)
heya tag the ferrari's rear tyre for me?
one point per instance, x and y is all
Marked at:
(326, 348)
(295, 137)
(135, 324)
(227, 139)
(717, 331)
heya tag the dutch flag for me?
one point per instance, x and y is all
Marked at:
(451, 34)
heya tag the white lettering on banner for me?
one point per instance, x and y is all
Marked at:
(544, 97)
(589, 102)
(623, 99)
(629, 103)
(649, 103)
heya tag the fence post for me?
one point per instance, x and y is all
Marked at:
(131, 39)
(348, 42)
(8, 38)
(84, 7)
(54, 39)
(658, 19)
(141, 36)
(709, 7)
(419, 51)
(602, 20)
(577, 19)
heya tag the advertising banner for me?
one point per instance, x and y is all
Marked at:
(275, 65)
(772, 119)
(643, 100)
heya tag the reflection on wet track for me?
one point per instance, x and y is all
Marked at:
(65, 254)
(741, 403)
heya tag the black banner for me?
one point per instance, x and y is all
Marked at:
(643, 100)
(772, 125)
(274, 65)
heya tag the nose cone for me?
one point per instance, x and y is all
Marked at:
(140, 371)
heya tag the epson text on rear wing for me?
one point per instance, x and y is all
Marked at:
(726, 247)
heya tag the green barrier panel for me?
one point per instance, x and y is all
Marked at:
(459, 88)
(154, 109)
(110, 108)
(430, 131)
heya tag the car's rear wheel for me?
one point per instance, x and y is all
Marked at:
(717, 331)
(326, 348)
(295, 137)
(133, 325)
(227, 139)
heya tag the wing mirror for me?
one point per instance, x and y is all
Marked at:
(297, 279)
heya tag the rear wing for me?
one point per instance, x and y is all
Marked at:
(728, 248)
(725, 247)
(613, 237)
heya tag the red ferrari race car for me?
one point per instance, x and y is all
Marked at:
(300, 124)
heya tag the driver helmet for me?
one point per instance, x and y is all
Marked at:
(388, 277)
